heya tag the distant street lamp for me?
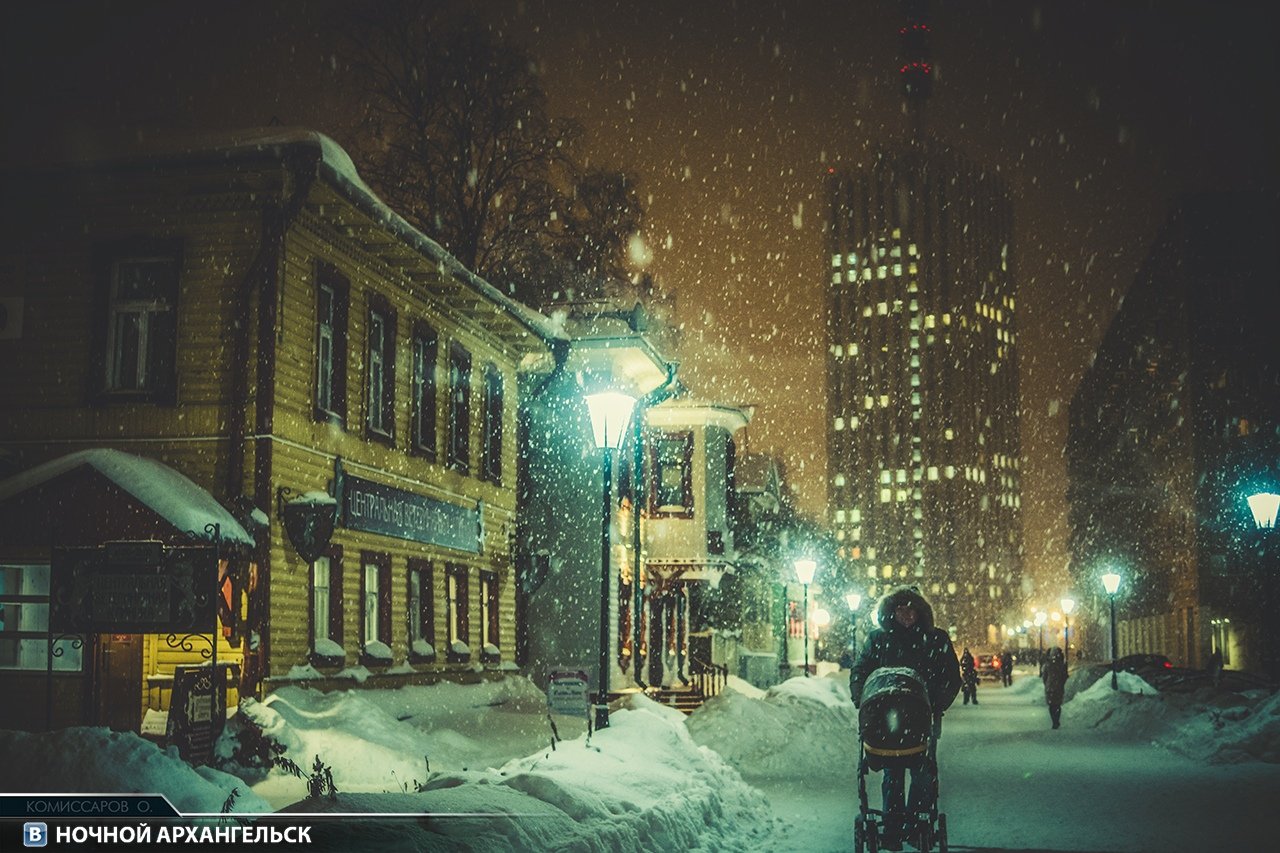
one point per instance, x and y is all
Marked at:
(1041, 618)
(1111, 583)
(1068, 604)
(804, 573)
(610, 415)
(854, 600)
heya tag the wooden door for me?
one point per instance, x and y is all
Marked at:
(118, 682)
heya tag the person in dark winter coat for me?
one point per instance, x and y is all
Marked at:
(907, 637)
(968, 678)
(1006, 668)
(1055, 684)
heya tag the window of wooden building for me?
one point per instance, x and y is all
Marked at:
(426, 346)
(375, 612)
(489, 621)
(456, 603)
(459, 407)
(671, 461)
(326, 609)
(420, 613)
(24, 623)
(332, 295)
(136, 347)
(491, 459)
(380, 403)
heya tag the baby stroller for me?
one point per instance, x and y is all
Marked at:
(895, 730)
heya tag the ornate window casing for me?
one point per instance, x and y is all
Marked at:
(671, 464)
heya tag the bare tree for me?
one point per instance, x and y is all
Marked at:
(458, 137)
(458, 141)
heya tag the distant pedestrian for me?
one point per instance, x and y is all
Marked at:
(1055, 684)
(1006, 668)
(968, 678)
(1215, 667)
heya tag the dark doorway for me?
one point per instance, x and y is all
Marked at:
(118, 682)
(657, 638)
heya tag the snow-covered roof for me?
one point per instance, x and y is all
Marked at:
(336, 166)
(169, 494)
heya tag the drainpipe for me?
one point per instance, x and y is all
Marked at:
(263, 274)
(653, 398)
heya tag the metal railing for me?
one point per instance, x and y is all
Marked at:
(709, 678)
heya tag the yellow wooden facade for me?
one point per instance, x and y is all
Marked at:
(253, 222)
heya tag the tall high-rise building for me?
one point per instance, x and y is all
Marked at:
(924, 463)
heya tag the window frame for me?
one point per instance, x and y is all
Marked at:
(333, 615)
(491, 430)
(459, 453)
(420, 596)
(425, 355)
(685, 507)
(381, 563)
(334, 410)
(380, 393)
(157, 356)
(36, 636)
(490, 615)
(457, 618)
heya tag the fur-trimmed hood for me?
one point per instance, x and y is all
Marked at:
(904, 595)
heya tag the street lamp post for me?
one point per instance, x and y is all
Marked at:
(1068, 604)
(610, 414)
(1111, 583)
(1041, 618)
(804, 573)
(854, 600)
(1264, 506)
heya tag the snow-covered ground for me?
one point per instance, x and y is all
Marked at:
(752, 770)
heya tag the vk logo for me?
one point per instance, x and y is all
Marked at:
(35, 835)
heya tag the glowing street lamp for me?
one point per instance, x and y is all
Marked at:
(1068, 604)
(805, 568)
(1264, 506)
(1111, 583)
(610, 415)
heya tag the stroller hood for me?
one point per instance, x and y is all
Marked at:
(895, 720)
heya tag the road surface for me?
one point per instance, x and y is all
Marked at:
(1010, 783)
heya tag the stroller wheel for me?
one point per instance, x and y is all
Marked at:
(942, 833)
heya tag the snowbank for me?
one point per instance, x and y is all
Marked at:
(641, 784)
(90, 760)
(802, 727)
(1218, 727)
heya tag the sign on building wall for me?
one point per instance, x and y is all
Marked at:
(376, 508)
(133, 588)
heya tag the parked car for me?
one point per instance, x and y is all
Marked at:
(1141, 662)
(987, 666)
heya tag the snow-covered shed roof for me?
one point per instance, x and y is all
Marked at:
(166, 492)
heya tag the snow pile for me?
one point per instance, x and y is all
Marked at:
(365, 746)
(641, 784)
(86, 759)
(800, 728)
(1219, 727)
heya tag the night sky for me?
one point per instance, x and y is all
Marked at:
(728, 116)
